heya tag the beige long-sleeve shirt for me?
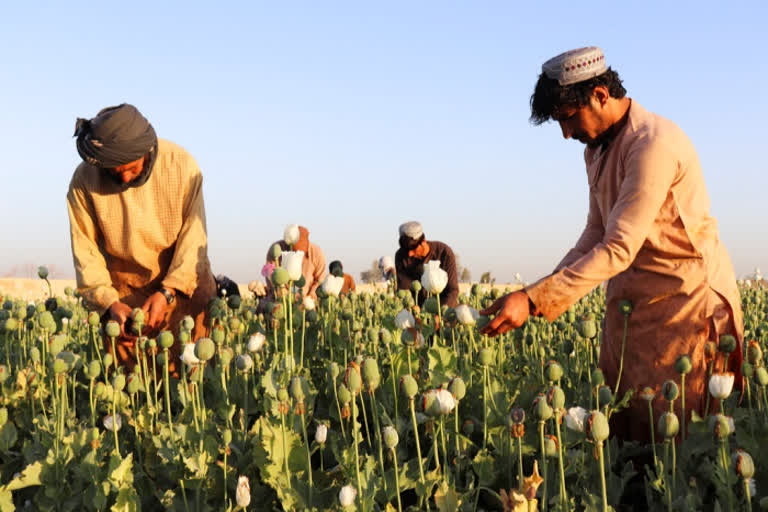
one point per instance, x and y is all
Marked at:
(650, 235)
(128, 241)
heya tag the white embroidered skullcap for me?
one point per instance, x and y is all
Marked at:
(411, 229)
(575, 65)
(386, 262)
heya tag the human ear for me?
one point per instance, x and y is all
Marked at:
(601, 94)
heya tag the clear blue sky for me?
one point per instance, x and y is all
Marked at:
(352, 117)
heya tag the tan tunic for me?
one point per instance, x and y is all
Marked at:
(126, 243)
(650, 234)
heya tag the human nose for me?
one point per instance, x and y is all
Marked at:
(567, 132)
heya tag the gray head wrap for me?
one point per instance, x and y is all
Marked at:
(116, 136)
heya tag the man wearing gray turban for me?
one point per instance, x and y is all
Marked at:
(137, 223)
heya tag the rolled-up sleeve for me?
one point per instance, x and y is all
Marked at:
(192, 242)
(93, 280)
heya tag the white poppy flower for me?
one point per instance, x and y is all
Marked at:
(347, 495)
(434, 279)
(256, 342)
(575, 418)
(721, 385)
(291, 261)
(291, 234)
(445, 400)
(321, 434)
(404, 320)
(113, 423)
(309, 303)
(466, 315)
(188, 356)
(243, 492)
(332, 285)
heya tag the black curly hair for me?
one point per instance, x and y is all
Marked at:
(549, 95)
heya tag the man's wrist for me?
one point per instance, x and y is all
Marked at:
(169, 294)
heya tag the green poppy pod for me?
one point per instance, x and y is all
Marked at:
(94, 369)
(333, 370)
(556, 397)
(670, 390)
(137, 315)
(458, 388)
(226, 355)
(668, 425)
(185, 337)
(683, 364)
(47, 321)
(205, 349)
(588, 329)
(165, 339)
(59, 366)
(625, 307)
(727, 343)
(234, 302)
(598, 378)
(553, 372)
(416, 286)
(596, 427)
(297, 388)
(353, 379)
(133, 384)
(468, 427)
(107, 360)
(744, 465)
(408, 386)
(218, 335)
(761, 376)
(112, 329)
(11, 324)
(188, 323)
(226, 436)
(541, 409)
(42, 272)
(747, 369)
(390, 436)
(282, 394)
(486, 356)
(604, 396)
(550, 446)
(118, 382)
(34, 354)
(371, 374)
(280, 276)
(345, 396)
(275, 251)
(300, 282)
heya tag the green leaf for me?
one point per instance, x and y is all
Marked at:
(29, 476)
(446, 498)
(6, 501)
(8, 436)
(483, 466)
(442, 365)
(127, 501)
(120, 471)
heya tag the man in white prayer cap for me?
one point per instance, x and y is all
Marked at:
(648, 233)
(415, 250)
